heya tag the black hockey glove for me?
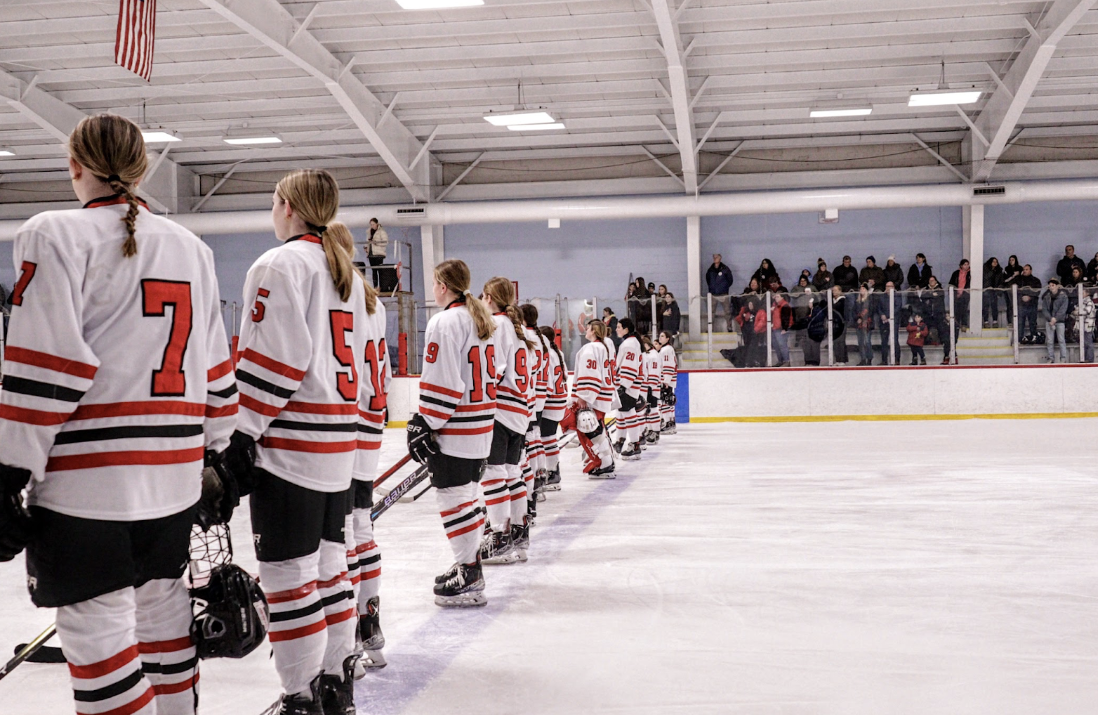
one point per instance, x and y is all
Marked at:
(238, 459)
(421, 439)
(220, 492)
(653, 401)
(15, 520)
(627, 402)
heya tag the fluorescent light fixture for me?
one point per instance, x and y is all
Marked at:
(534, 127)
(937, 99)
(824, 113)
(507, 120)
(237, 141)
(159, 137)
(5, 152)
(436, 4)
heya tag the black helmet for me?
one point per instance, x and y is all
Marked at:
(230, 614)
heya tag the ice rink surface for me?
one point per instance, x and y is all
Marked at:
(835, 568)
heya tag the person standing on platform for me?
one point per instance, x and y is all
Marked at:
(376, 249)
(1054, 309)
(719, 280)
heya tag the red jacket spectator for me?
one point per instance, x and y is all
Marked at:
(917, 333)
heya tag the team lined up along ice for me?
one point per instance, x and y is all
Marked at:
(124, 421)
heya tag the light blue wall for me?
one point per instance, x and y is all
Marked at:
(1037, 233)
(581, 259)
(794, 241)
(7, 270)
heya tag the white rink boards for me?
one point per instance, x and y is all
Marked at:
(808, 568)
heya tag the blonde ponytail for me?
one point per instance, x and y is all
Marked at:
(113, 150)
(455, 275)
(314, 195)
(501, 291)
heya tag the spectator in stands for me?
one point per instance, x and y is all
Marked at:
(640, 308)
(893, 272)
(918, 276)
(672, 316)
(938, 312)
(917, 331)
(781, 319)
(775, 285)
(661, 300)
(719, 280)
(863, 319)
(765, 272)
(838, 324)
(1011, 271)
(1085, 317)
(887, 312)
(1069, 261)
(822, 280)
(1071, 289)
(801, 298)
(846, 277)
(993, 284)
(1029, 289)
(749, 331)
(611, 321)
(872, 275)
(1054, 309)
(1092, 270)
(960, 281)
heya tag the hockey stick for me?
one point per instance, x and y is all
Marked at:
(382, 505)
(392, 470)
(28, 650)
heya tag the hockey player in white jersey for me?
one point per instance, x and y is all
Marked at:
(651, 392)
(503, 487)
(363, 555)
(535, 455)
(592, 389)
(452, 430)
(556, 403)
(669, 380)
(301, 397)
(117, 382)
(631, 393)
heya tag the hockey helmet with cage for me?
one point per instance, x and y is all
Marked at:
(230, 614)
(587, 422)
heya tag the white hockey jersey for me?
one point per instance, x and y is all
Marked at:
(301, 355)
(537, 378)
(629, 366)
(653, 370)
(669, 366)
(592, 382)
(512, 376)
(556, 400)
(117, 372)
(375, 378)
(612, 368)
(457, 387)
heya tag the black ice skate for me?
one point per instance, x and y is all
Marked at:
(498, 549)
(653, 437)
(337, 692)
(669, 428)
(539, 486)
(632, 451)
(370, 639)
(462, 590)
(299, 704)
(552, 480)
(448, 575)
(619, 445)
(606, 472)
(520, 537)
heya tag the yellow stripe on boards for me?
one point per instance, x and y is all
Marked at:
(397, 425)
(900, 418)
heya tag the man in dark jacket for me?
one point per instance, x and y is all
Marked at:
(1054, 309)
(918, 276)
(719, 280)
(893, 273)
(872, 272)
(1029, 288)
(1067, 263)
(611, 321)
(846, 278)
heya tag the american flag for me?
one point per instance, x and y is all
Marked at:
(133, 45)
